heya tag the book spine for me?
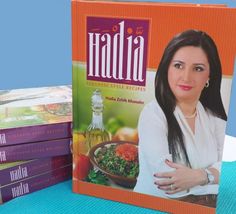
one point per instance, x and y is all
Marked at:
(35, 150)
(33, 184)
(29, 134)
(32, 168)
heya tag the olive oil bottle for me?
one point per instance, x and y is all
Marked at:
(96, 132)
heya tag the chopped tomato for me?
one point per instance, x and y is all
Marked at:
(82, 166)
(52, 106)
(128, 152)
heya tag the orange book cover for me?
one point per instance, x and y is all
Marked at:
(151, 89)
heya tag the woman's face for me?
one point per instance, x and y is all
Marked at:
(188, 73)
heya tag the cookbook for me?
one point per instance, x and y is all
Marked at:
(34, 183)
(42, 149)
(16, 171)
(151, 90)
(35, 114)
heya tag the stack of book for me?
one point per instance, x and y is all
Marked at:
(35, 136)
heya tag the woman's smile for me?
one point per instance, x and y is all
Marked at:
(185, 87)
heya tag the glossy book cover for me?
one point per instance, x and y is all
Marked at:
(151, 90)
(16, 171)
(34, 183)
(35, 114)
(41, 149)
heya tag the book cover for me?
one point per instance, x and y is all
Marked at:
(16, 171)
(35, 150)
(27, 186)
(151, 89)
(35, 114)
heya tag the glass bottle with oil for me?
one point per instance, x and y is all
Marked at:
(96, 132)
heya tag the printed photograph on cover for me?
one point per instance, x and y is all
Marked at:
(35, 114)
(34, 106)
(155, 129)
(181, 132)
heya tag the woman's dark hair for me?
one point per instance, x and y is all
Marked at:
(210, 96)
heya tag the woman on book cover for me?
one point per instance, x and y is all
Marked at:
(181, 133)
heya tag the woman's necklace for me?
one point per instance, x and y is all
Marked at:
(192, 115)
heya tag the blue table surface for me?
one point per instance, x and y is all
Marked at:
(60, 199)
